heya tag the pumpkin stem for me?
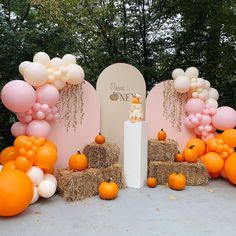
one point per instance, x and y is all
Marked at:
(161, 129)
(99, 133)
(178, 152)
(192, 146)
(78, 152)
(109, 180)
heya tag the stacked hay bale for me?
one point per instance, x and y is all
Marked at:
(161, 157)
(103, 165)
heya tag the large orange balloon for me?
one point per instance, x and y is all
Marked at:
(16, 192)
(198, 144)
(22, 142)
(8, 154)
(229, 137)
(10, 165)
(230, 168)
(213, 162)
(45, 157)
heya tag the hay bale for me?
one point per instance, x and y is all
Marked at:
(102, 155)
(79, 185)
(196, 173)
(162, 150)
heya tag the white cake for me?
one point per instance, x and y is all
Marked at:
(136, 110)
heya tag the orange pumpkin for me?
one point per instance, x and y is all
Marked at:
(230, 168)
(161, 135)
(177, 181)
(190, 154)
(78, 161)
(215, 175)
(213, 162)
(100, 139)
(179, 157)
(8, 154)
(108, 190)
(198, 145)
(135, 100)
(151, 182)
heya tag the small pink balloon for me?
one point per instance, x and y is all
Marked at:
(28, 118)
(20, 116)
(45, 108)
(209, 136)
(200, 128)
(37, 106)
(49, 117)
(18, 129)
(204, 133)
(38, 128)
(18, 96)
(199, 116)
(208, 128)
(206, 120)
(225, 118)
(56, 116)
(40, 115)
(194, 120)
(196, 131)
(54, 110)
(194, 106)
(206, 112)
(188, 123)
(47, 94)
(29, 112)
(212, 111)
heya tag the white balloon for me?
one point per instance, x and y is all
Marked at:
(203, 95)
(200, 83)
(211, 102)
(46, 189)
(57, 62)
(207, 84)
(23, 65)
(213, 93)
(69, 59)
(36, 175)
(50, 70)
(182, 84)
(58, 84)
(35, 196)
(42, 58)
(75, 74)
(35, 74)
(50, 178)
(192, 72)
(1, 168)
(63, 70)
(176, 73)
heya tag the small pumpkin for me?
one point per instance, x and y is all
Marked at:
(198, 144)
(161, 135)
(100, 139)
(78, 161)
(179, 157)
(135, 100)
(177, 181)
(108, 190)
(190, 154)
(151, 182)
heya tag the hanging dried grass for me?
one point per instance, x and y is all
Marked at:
(71, 106)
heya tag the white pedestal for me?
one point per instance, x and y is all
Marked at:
(135, 153)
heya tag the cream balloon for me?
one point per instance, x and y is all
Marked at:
(213, 93)
(23, 65)
(207, 84)
(195, 95)
(192, 72)
(182, 84)
(75, 74)
(35, 196)
(42, 58)
(211, 102)
(177, 72)
(69, 59)
(46, 189)
(58, 84)
(35, 74)
(204, 95)
(36, 175)
(57, 62)
(50, 178)
(200, 83)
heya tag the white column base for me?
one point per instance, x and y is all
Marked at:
(135, 153)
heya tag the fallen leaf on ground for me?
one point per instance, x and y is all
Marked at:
(172, 198)
(210, 190)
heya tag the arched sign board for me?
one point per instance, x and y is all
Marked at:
(165, 109)
(116, 86)
(79, 121)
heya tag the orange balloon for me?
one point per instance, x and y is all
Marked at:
(219, 136)
(23, 164)
(230, 168)
(213, 162)
(22, 142)
(229, 137)
(11, 165)
(212, 144)
(52, 144)
(39, 142)
(45, 157)
(16, 192)
(8, 154)
(198, 144)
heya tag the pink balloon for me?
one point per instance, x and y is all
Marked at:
(197, 131)
(54, 110)
(28, 118)
(194, 106)
(36, 106)
(188, 123)
(206, 138)
(212, 111)
(38, 128)
(18, 129)
(40, 115)
(18, 96)
(206, 111)
(225, 118)
(47, 94)
(195, 121)
(56, 116)
(49, 117)
(208, 128)
(206, 120)
(45, 108)
(199, 116)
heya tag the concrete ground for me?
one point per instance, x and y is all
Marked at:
(205, 210)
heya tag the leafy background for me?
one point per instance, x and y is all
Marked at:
(154, 36)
